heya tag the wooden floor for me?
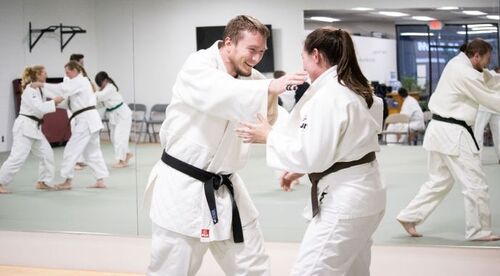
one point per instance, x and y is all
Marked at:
(29, 271)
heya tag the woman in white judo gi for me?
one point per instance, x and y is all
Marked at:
(27, 132)
(453, 151)
(119, 115)
(199, 202)
(84, 140)
(332, 136)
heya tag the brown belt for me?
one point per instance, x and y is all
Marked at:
(316, 177)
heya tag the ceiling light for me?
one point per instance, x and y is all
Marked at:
(493, 17)
(362, 9)
(447, 8)
(393, 14)
(415, 34)
(474, 12)
(476, 32)
(324, 19)
(423, 18)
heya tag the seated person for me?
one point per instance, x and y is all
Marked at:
(411, 108)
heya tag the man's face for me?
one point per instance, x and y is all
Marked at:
(71, 73)
(480, 62)
(247, 53)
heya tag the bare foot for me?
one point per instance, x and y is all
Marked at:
(128, 157)
(98, 185)
(63, 186)
(3, 190)
(120, 164)
(488, 238)
(410, 228)
(40, 185)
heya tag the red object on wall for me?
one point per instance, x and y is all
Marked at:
(56, 126)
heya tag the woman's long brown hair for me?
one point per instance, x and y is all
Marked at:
(337, 47)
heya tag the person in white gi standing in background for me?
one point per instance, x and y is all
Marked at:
(487, 116)
(119, 115)
(84, 140)
(215, 89)
(411, 108)
(452, 149)
(332, 136)
(27, 132)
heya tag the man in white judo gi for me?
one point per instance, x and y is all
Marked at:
(453, 151)
(411, 108)
(198, 200)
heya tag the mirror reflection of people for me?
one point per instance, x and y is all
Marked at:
(332, 136)
(199, 202)
(84, 140)
(119, 115)
(412, 108)
(487, 116)
(453, 153)
(27, 132)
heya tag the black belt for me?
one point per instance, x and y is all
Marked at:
(34, 118)
(212, 182)
(114, 107)
(457, 122)
(81, 111)
(316, 177)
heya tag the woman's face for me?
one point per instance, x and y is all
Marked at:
(71, 73)
(310, 62)
(41, 76)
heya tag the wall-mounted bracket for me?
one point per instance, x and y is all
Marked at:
(73, 30)
(40, 32)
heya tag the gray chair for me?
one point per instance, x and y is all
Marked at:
(395, 119)
(156, 117)
(105, 122)
(138, 120)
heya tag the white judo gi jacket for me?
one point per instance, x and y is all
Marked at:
(207, 105)
(32, 103)
(332, 124)
(110, 98)
(460, 91)
(78, 94)
(411, 108)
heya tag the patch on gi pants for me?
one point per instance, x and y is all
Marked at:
(205, 233)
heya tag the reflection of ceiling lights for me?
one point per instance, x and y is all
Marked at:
(484, 29)
(324, 19)
(415, 34)
(393, 14)
(362, 9)
(423, 18)
(474, 12)
(447, 8)
(477, 32)
(493, 17)
(479, 25)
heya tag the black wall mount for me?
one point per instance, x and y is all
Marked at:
(63, 30)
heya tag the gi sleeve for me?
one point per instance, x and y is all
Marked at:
(37, 104)
(478, 91)
(106, 93)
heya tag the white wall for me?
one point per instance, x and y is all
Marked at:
(378, 60)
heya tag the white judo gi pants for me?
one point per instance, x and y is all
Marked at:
(482, 119)
(467, 169)
(120, 135)
(21, 147)
(86, 144)
(176, 254)
(334, 246)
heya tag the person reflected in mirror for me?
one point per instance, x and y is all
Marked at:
(119, 115)
(332, 137)
(412, 108)
(199, 202)
(487, 116)
(27, 132)
(453, 152)
(84, 140)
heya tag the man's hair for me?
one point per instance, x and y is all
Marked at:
(403, 92)
(76, 57)
(240, 23)
(278, 74)
(476, 45)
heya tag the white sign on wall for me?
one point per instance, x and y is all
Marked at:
(376, 57)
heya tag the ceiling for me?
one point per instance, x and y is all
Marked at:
(446, 16)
